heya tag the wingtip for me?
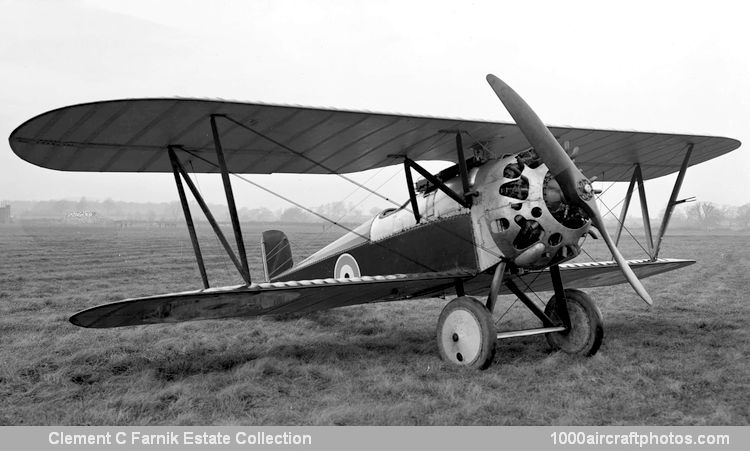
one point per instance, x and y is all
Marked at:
(81, 319)
(76, 320)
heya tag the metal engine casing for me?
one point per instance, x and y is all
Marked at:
(514, 192)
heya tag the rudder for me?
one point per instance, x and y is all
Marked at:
(277, 253)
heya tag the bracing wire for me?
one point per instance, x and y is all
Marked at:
(528, 286)
(328, 226)
(359, 185)
(625, 228)
(361, 201)
(440, 137)
(529, 290)
(198, 187)
(497, 322)
(309, 210)
(302, 155)
(610, 211)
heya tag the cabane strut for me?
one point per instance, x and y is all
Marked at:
(465, 199)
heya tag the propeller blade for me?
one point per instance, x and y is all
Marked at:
(596, 217)
(574, 185)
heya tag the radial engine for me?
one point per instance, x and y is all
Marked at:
(527, 215)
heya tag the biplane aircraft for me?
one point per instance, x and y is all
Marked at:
(511, 211)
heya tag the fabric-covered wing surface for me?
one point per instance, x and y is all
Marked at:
(132, 136)
(583, 275)
(311, 295)
(601, 274)
(264, 299)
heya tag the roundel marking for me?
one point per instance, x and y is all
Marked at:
(346, 267)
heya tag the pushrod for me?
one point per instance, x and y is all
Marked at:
(672, 200)
(188, 217)
(211, 220)
(230, 199)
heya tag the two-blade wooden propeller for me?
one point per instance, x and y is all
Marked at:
(574, 185)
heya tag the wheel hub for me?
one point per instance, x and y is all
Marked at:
(462, 337)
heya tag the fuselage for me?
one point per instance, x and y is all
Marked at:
(518, 214)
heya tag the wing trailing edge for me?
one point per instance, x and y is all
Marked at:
(132, 135)
(304, 296)
(299, 296)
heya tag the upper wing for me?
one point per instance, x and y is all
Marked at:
(132, 136)
(274, 298)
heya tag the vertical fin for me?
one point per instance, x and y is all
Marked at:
(276, 253)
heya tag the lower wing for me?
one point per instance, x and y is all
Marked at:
(274, 298)
(583, 275)
(601, 274)
(305, 296)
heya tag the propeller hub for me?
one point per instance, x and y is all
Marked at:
(585, 189)
(571, 180)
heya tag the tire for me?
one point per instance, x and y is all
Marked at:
(586, 325)
(466, 334)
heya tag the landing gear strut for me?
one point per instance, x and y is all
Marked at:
(466, 333)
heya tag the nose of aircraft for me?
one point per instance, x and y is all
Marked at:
(574, 185)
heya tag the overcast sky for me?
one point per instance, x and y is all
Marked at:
(655, 66)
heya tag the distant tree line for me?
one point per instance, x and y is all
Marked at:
(111, 210)
(696, 216)
(705, 216)
(709, 216)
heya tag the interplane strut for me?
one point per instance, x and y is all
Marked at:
(637, 178)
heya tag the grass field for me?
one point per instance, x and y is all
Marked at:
(684, 362)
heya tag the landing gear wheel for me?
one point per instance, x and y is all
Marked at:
(586, 325)
(466, 334)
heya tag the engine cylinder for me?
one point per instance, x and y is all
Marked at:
(527, 214)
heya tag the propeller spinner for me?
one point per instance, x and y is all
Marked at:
(576, 188)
